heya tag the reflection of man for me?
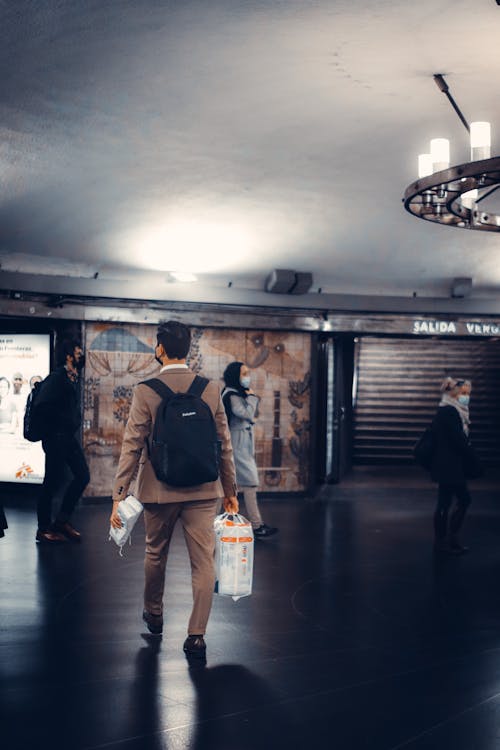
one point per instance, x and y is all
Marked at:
(59, 410)
(8, 412)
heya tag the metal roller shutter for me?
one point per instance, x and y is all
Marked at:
(397, 392)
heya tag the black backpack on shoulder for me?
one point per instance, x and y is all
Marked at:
(423, 451)
(185, 449)
(34, 424)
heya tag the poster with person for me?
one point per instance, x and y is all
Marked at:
(24, 360)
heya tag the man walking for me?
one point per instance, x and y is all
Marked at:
(58, 409)
(164, 504)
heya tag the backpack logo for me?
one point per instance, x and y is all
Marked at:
(185, 449)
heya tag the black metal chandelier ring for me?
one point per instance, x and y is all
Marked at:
(438, 197)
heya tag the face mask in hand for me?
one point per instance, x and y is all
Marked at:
(245, 382)
(464, 399)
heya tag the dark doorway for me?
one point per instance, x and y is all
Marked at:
(334, 408)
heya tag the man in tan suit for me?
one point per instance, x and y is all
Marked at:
(163, 505)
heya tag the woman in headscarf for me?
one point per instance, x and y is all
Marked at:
(241, 405)
(452, 463)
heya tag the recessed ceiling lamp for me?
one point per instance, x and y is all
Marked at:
(452, 195)
(183, 276)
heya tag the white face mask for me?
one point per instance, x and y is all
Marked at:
(245, 382)
(464, 399)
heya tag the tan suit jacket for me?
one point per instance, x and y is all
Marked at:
(134, 457)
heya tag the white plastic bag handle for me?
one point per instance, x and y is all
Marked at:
(236, 517)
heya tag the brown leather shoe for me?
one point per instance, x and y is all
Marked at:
(153, 622)
(67, 530)
(50, 537)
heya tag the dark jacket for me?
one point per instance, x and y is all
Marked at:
(58, 403)
(3, 522)
(451, 447)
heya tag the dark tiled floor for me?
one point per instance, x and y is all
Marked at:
(356, 636)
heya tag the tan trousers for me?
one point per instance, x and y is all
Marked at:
(197, 519)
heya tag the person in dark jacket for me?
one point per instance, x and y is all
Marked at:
(451, 456)
(59, 410)
(3, 521)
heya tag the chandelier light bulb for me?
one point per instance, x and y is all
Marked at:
(480, 140)
(424, 165)
(440, 154)
(469, 198)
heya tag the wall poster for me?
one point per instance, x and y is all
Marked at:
(24, 359)
(121, 355)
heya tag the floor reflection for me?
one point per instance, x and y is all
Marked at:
(238, 710)
(143, 715)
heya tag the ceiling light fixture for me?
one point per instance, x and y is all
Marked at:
(452, 195)
(183, 276)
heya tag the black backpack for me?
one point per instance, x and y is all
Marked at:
(34, 425)
(185, 449)
(423, 451)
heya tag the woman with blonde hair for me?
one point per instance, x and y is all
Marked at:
(453, 462)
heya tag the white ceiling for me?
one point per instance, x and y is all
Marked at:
(233, 137)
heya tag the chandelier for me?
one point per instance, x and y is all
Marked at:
(454, 195)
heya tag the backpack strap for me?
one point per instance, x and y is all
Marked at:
(197, 386)
(159, 387)
(165, 392)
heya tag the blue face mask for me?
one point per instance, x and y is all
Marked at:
(245, 382)
(464, 399)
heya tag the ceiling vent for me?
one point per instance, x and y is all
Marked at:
(461, 287)
(286, 281)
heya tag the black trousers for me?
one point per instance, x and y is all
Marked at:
(446, 493)
(61, 451)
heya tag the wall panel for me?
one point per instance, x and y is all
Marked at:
(121, 355)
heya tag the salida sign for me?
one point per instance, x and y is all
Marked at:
(455, 328)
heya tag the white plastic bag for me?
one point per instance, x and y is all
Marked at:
(129, 511)
(233, 555)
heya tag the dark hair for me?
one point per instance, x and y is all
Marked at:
(232, 380)
(175, 338)
(232, 376)
(67, 348)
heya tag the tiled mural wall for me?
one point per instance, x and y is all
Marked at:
(119, 356)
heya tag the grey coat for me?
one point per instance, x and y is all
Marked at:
(241, 421)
